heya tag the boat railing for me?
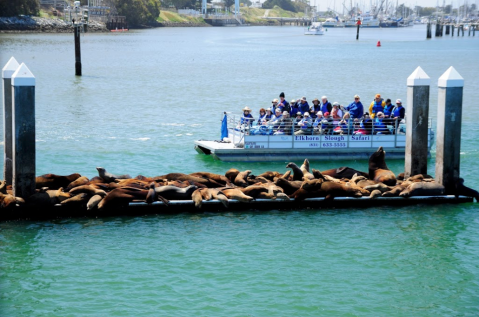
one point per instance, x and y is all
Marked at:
(390, 133)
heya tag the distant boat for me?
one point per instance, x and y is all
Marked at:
(316, 28)
(333, 23)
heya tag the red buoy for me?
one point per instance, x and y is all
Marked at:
(379, 44)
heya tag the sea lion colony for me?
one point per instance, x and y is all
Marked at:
(110, 191)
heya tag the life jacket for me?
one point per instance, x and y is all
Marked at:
(378, 107)
(388, 110)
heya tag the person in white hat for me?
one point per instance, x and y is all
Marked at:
(399, 111)
(247, 118)
(278, 115)
(285, 124)
(305, 125)
(303, 106)
(326, 105)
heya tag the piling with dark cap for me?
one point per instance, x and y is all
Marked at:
(452, 30)
(7, 72)
(447, 29)
(449, 121)
(428, 35)
(23, 88)
(417, 110)
(76, 34)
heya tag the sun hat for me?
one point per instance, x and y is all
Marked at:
(299, 113)
(278, 110)
(336, 103)
(303, 98)
(398, 101)
(268, 109)
(246, 109)
(324, 97)
(357, 96)
(275, 100)
(293, 100)
(306, 114)
(315, 99)
(285, 113)
(377, 96)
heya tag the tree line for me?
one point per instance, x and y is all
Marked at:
(10, 8)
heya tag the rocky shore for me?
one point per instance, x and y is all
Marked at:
(43, 25)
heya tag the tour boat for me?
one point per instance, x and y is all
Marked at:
(316, 28)
(242, 144)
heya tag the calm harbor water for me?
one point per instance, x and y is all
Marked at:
(146, 95)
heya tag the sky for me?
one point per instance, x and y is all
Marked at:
(323, 5)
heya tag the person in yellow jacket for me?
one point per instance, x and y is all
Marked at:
(376, 106)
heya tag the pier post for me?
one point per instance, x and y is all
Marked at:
(438, 27)
(428, 35)
(458, 29)
(23, 87)
(76, 33)
(462, 29)
(7, 73)
(452, 30)
(449, 121)
(417, 110)
(469, 31)
(357, 33)
(447, 29)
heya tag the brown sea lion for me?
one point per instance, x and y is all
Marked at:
(87, 189)
(286, 175)
(334, 189)
(109, 177)
(237, 194)
(185, 177)
(3, 187)
(254, 190)
(53, 181)
(378, 170)
(344, 172)
(375, 193)
(133, 182)
(96, 180)
(297, 173)
(7, 201)
(289, 187)
(151, 197)
(175, 193)
(270, 175)
(312, 185)
(78, 200)
(93, 202)
(302, 194)
(208, 194)
(240, 179)
(120, 197)
(221, 179)
(465, 191)
(231, 174)
(77, 182)
(305, 169)
(48, 197)
(317, 174)
(423, 189)
(379, 186)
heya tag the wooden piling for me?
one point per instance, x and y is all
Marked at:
(452, 30)
(7, 72)
(447, 29)
(462, 29)
(437, 29)
(76, 33)
(428, 35)
(357, 33)
(417, 110)
(449, 121)
(23, 87)
(458, 29)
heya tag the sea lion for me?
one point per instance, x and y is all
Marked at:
(78, 200)
(175, 193)
(305, 169)
(210, 183)
(221, 179)
(78, 182)
(254, 190)
(96, 180)
(270, 175)
(297, 173)
(120, 197)
(334, 189)
(312, 185)
(240, 179)
(133, 182)
(231, 174)
(93, 202)
(465, 191)
(317, 174)
(302, 194)
(7, 201)
(423, 189)
(286, 175)
(3, 187)
(375, 193)
(87, 189)
(379, 186)
(237, 194)
(344, 172)
(48, 197)
(378, 170)
(289, 187)
(151, 197)
(109, 177)
(53, 181)
(207, 194)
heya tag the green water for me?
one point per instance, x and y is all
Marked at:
(143, 99)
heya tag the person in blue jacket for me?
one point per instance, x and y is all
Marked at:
(355, 108)
(326, 105)
(314, 108)
(294, 108)
(262, 117)
(247, 118)
(399, 112)
(388, 108)
(380, 126)
(303, 106)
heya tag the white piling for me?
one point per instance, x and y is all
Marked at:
(23, 91)
(7, 73)
(449, 121)
(417, 112)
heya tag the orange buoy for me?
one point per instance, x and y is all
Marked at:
(379, 44)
